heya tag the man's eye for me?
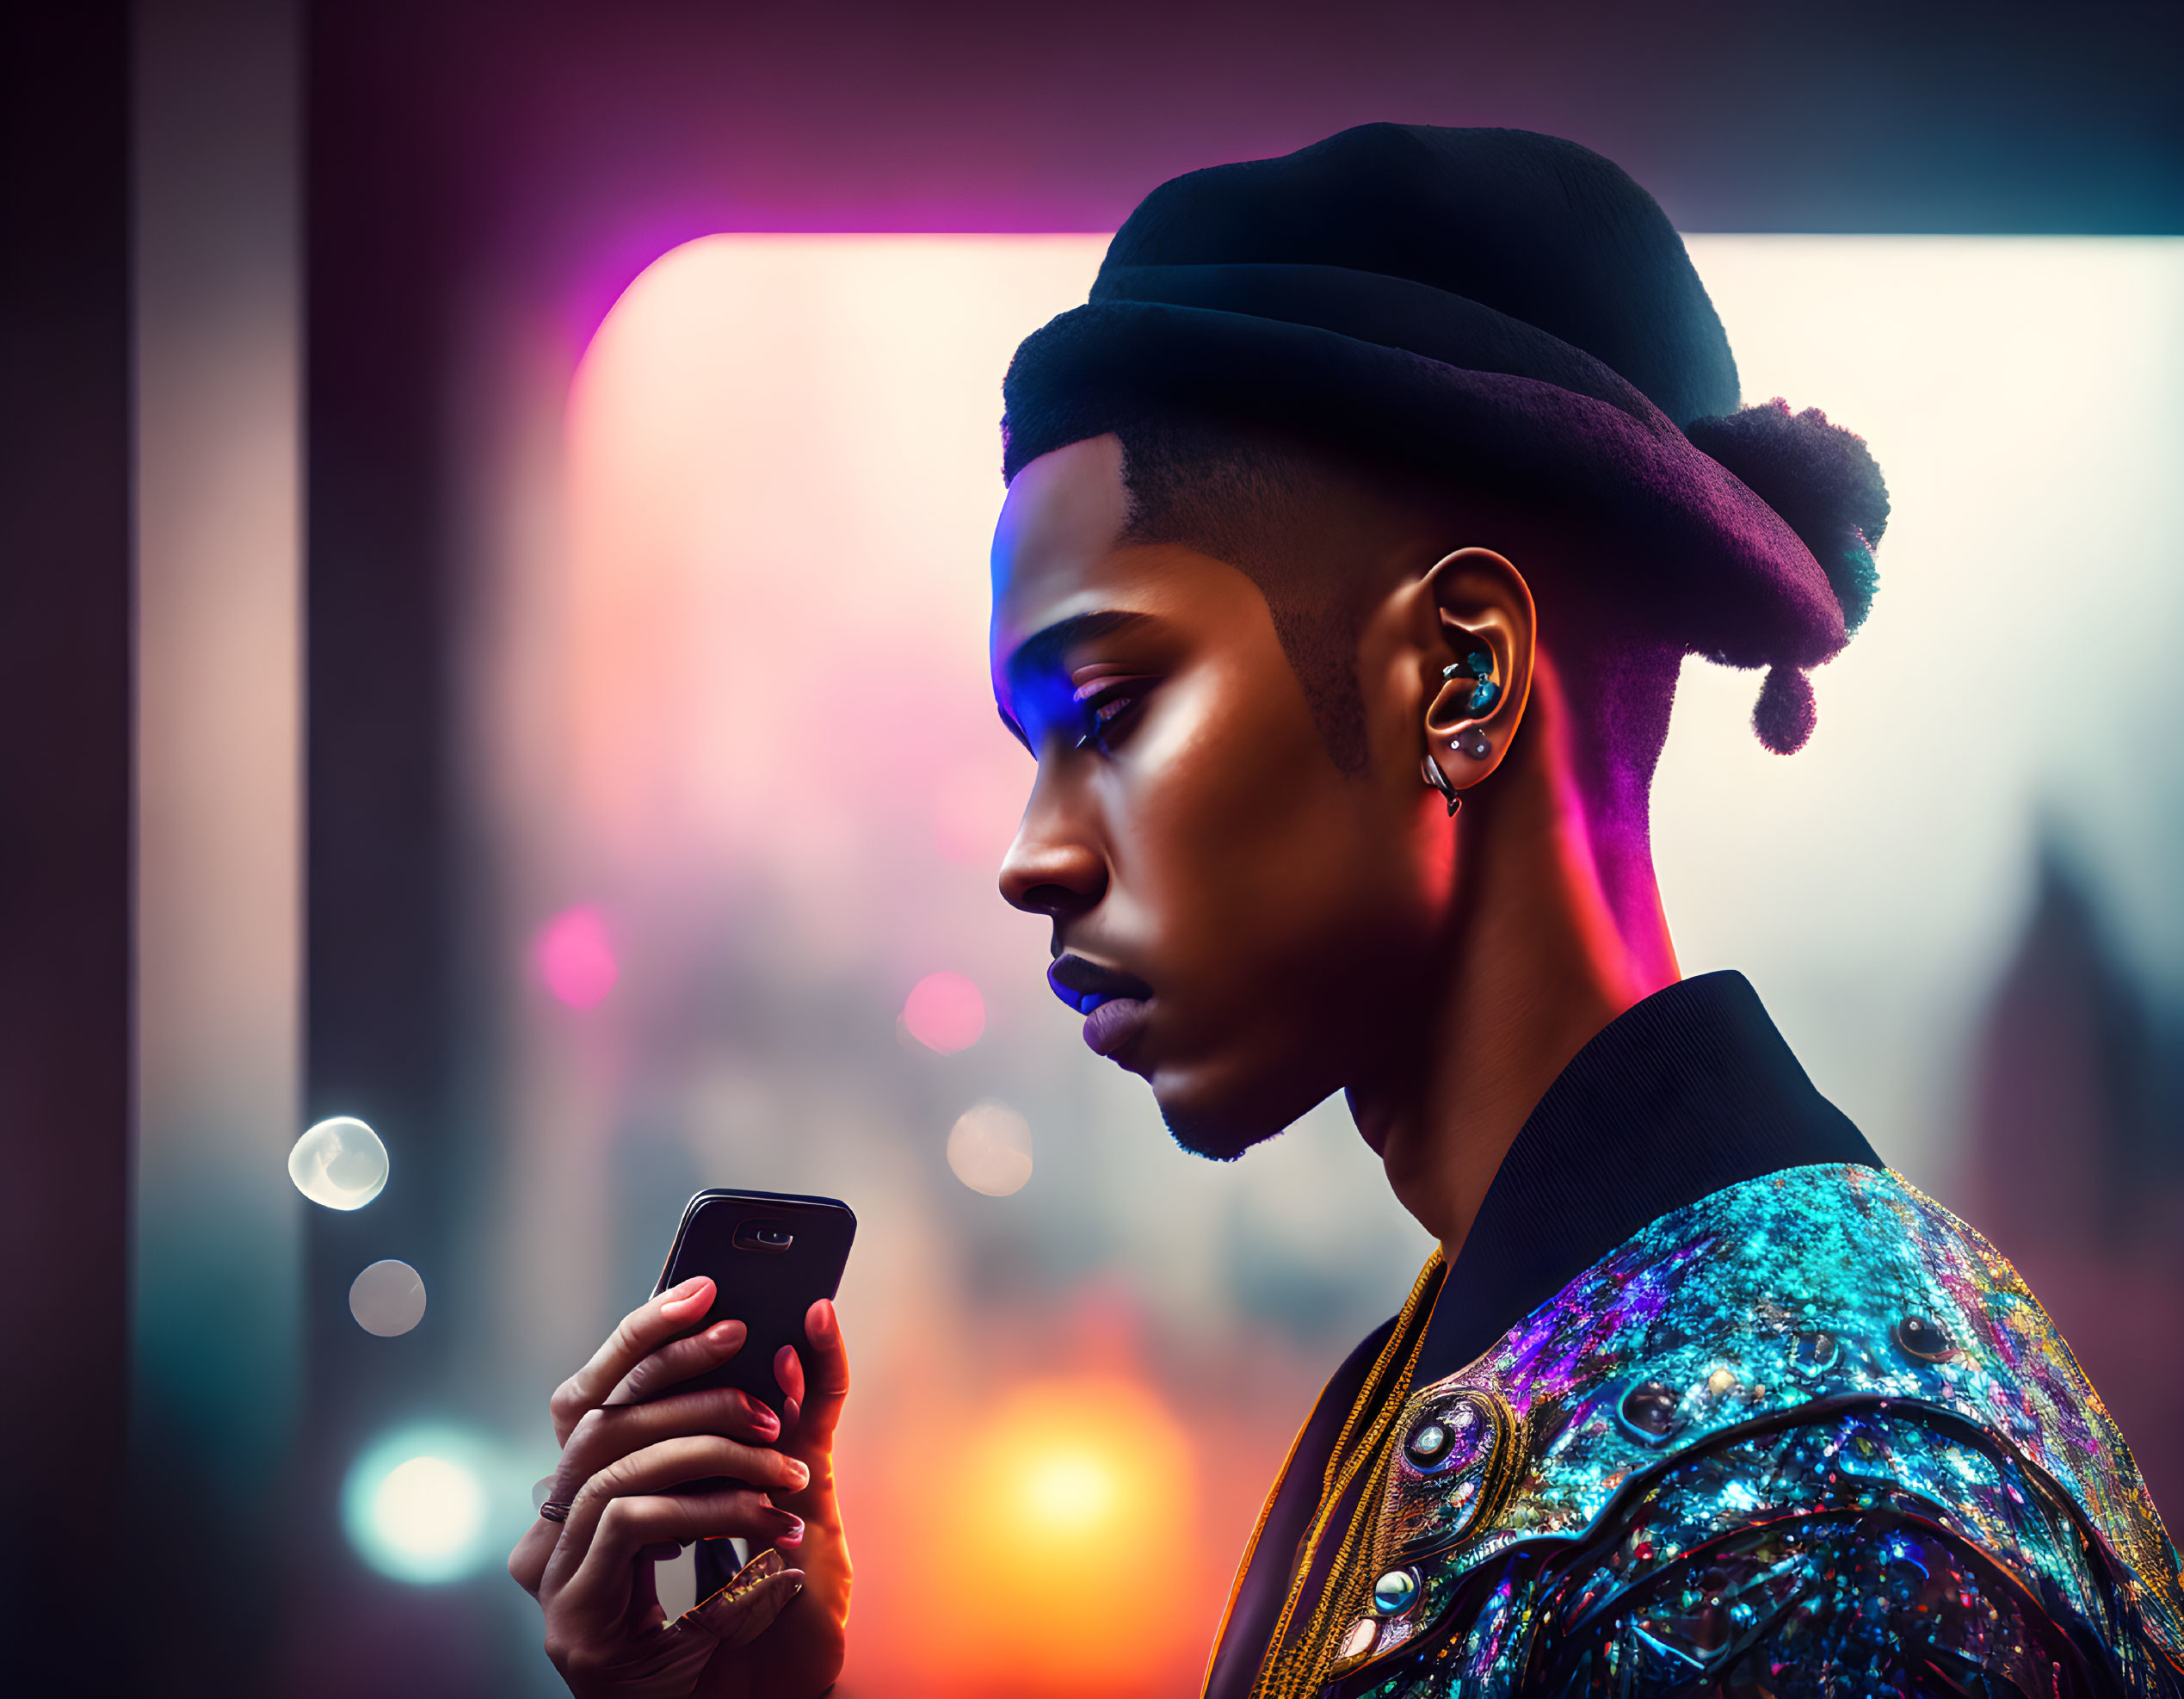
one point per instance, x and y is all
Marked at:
(1105, 713)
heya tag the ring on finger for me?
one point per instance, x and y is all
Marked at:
(556, 1509)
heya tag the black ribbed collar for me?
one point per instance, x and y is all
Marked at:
(1689, 1092)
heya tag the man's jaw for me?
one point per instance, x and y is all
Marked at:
(1116, 1006)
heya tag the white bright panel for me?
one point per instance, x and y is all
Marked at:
(2022, 398)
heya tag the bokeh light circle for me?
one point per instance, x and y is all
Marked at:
(944, 1012)
(990, 1148)
(431, 1505)
(575, 957)
(1051, 1488)
(388, 1298)
(340, 1162)
(1065, 1490)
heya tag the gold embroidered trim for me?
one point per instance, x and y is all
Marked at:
(1295, 1671)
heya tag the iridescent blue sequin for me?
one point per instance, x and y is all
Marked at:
(1814, 1351)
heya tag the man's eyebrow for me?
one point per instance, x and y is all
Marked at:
(1043, 650)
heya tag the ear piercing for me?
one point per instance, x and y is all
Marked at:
(1438, 780)
(1478, 666)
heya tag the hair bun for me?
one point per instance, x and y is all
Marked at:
(1824, 482)
(1820, 477)
(1784, 715)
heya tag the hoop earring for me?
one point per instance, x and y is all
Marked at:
(1438, 780)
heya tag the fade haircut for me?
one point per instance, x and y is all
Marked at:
(1256, 498)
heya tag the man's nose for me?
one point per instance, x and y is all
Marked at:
(1054, 868)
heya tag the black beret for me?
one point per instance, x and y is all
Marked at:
(1499, 307)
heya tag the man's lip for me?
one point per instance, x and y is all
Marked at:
(1112, 1024)
(1084, 986)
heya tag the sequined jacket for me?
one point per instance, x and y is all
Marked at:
(1809, 1435)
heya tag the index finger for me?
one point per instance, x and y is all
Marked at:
(824, 1382)
(640, 1332)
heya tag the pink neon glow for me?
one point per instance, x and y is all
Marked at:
(576, 958)
(944, 1012)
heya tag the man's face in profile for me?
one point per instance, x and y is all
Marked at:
(1235, 917)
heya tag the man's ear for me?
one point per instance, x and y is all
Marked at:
(1481, 668)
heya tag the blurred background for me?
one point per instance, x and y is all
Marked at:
(541, 711)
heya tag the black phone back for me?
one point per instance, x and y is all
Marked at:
(771, 1256)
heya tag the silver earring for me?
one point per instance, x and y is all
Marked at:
(1438, 780)
(1472, 743)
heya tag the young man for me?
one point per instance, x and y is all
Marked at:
(1396, 476)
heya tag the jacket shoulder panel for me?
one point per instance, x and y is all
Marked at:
(1771, 1305)
(1806, 1558)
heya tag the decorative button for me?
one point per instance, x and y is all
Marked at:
(1395, 1592)
(1813, 1350)
(1653, 1409)
(1359, 1640)
(1922, 1338)
(1456, 1438)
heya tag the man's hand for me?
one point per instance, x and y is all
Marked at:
(624, 1446)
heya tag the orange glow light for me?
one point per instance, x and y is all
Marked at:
(1076, 1511)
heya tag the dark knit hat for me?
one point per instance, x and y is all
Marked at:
(1496, 307)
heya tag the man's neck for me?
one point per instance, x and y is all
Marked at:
(1559, 931)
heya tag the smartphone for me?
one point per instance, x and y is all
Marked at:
(771, 1257)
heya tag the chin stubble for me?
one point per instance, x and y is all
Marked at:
(1203, 1137)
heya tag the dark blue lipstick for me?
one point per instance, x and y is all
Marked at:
(1084, 986)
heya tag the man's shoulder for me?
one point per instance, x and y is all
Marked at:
(1819, 1343)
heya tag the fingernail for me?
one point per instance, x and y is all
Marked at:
(688, 1287)
(800, 1473)
(795, 1535)
(825, 1319)
(718, 1332)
